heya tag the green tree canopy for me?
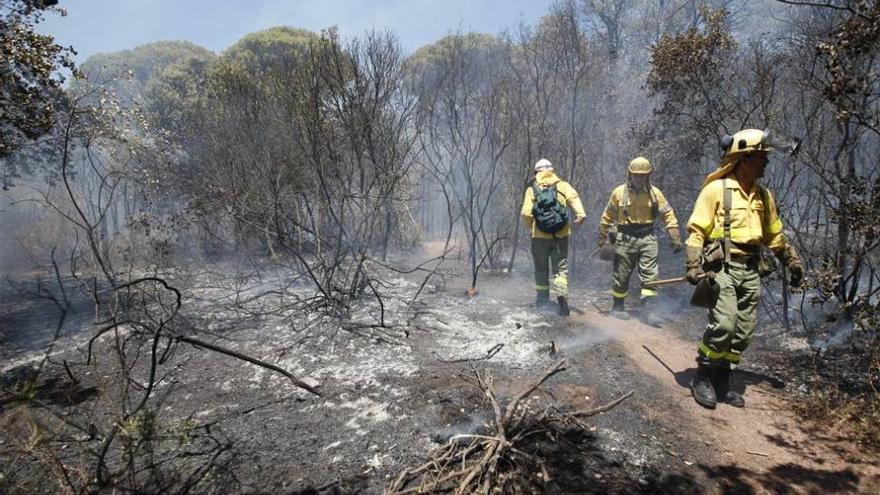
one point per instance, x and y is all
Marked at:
(29, 74)
(274, 48)
(129, 71)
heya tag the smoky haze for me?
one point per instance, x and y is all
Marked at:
(248, 246)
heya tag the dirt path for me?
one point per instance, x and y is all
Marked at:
(762, 448)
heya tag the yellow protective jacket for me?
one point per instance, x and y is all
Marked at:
(639, 211)
(565, 194)
(752, 222)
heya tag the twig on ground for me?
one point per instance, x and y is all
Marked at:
(489, 354)
(605, 408)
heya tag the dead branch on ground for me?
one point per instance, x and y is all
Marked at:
(506, 457)
(489, 354)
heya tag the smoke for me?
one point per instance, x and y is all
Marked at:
(469, 425)
(27, 229)
(589, 336)
(838, 335)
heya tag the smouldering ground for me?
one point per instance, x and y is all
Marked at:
(389, 397)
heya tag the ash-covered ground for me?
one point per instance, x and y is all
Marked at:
(390, 378)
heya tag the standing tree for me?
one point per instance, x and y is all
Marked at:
(31, 76)
(465, 127)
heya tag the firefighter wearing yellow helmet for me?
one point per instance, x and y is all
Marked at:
(733, 218)
(628, 223)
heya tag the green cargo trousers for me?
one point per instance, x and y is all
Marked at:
(546, 252)
(629, 252)
(732, 320)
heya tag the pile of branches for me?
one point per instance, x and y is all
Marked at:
(507, 457)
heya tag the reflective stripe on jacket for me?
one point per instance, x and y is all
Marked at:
(751, 221)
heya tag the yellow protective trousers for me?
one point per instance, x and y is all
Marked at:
(632, 251)
(732, 320)
(547, 254)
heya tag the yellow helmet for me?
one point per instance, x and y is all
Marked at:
(746, 141)
(640, 165)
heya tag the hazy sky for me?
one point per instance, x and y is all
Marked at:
(94, 26)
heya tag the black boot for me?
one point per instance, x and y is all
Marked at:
(618, 311)
(648, 315)
(701, 387)
(563, 306)
(542, 299)
(721, 383)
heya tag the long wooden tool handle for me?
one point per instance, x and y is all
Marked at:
(668, 281)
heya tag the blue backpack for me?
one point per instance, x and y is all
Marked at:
(549, 214)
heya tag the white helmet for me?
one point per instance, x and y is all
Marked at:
(543, 164)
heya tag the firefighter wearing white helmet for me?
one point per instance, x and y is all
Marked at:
(545, 210)
(628, 223)
(733, 218)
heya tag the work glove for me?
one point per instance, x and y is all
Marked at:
(605, 248)
(693, 264)
(603, 236)
(579, 220)
(676, 246)
(792, 261)
(606, 252)
(675, 240)
(797, 275)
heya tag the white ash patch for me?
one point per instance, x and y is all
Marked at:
(795, 344)
(367, 412)
(376, 461)
(639, 453)
(458, 334)
(333, 445)
(322, 355)
(78, 342)
(351, 362)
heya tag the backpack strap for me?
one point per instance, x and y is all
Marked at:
(655, 205)
(624, 202)
(765, 198)
(537, 189)
(661, 210)
(727, 204)
(557, 191)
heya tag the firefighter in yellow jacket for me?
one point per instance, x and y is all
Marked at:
(733, 217)
(628, 223)
(545, 210)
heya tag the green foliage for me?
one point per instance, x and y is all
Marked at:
(175, 94)
(128, 72)
(683, 64)
(31, 66)
(468, 42)
(849, 55)
(277, 48)
(693, 73)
